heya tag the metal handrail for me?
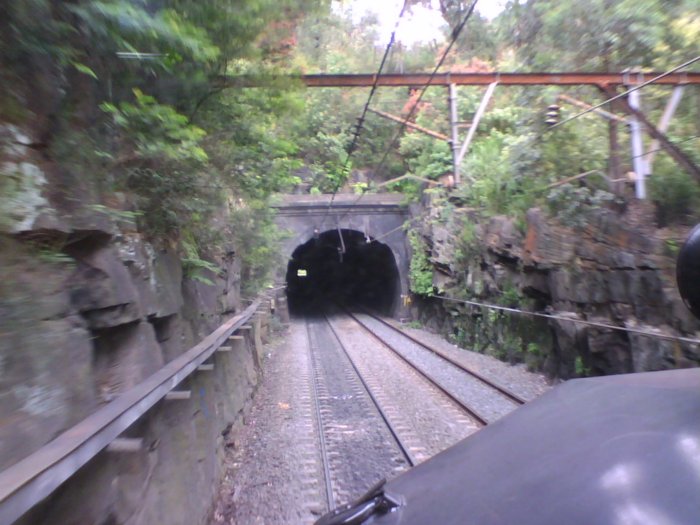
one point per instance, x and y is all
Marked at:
(35, 477)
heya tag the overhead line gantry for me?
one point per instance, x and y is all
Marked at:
(504, 79)
(605, 82)
(475, 79)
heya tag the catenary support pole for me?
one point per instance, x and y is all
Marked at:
(452, 90)
(637, 148)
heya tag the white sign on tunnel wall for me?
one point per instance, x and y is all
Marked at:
(301, 272)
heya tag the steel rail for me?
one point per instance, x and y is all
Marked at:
(503, 390)
(464, 406)
(330, 500)
(404, 449)
(35, 477)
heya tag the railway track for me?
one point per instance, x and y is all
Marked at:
(464, 385)
(365, 432)
(507, 393)
(359, 446)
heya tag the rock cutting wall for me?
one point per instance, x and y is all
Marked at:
(88, 309)
(618, 270)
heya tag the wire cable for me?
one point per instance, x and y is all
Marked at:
(361, 119)
(675, 143)
(455, 34)
(624, 93)
(570, 319)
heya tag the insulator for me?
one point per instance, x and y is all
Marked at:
(552, 115)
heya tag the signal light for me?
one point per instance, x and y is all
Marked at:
(552, 115)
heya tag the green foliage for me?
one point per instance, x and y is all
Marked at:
(85, 70)
(581, 369)
(133, 27)
(425, 156)
(420, 272)
(496, 188)
(676, 195)
(160, 161)
(573, 205)
(411, 189)
(156, 131)
(534, 349)
(50, 248)
(31, 29)
(599, 35)
(193, 265)
(129, 217)
(467, 247)
(257, 244)
(510, 297)
(248, 149)
(672, 247)
(360, 187)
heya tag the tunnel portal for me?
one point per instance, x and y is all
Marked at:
(350, 271)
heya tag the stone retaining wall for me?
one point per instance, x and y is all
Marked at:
(88, 309)
(617, 270)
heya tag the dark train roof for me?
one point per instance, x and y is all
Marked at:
(611, 450)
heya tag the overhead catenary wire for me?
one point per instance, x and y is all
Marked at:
(455, 34)
(402, 227)
(569, 119)
(361, 119)
(636, 331)
(675, 143)
(532, 140)
(585, 322)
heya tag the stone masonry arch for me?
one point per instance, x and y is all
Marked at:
(377, 216)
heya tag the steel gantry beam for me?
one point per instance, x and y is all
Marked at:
(504, 79)
(607, 82)
(465, 79)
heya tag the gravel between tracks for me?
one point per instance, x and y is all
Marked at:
(273, 472)
(422, 414)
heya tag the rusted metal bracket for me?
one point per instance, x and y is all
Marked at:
(583, 105)
(460, 79)
(411, 125)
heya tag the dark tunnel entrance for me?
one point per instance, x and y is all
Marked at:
(321, 275)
